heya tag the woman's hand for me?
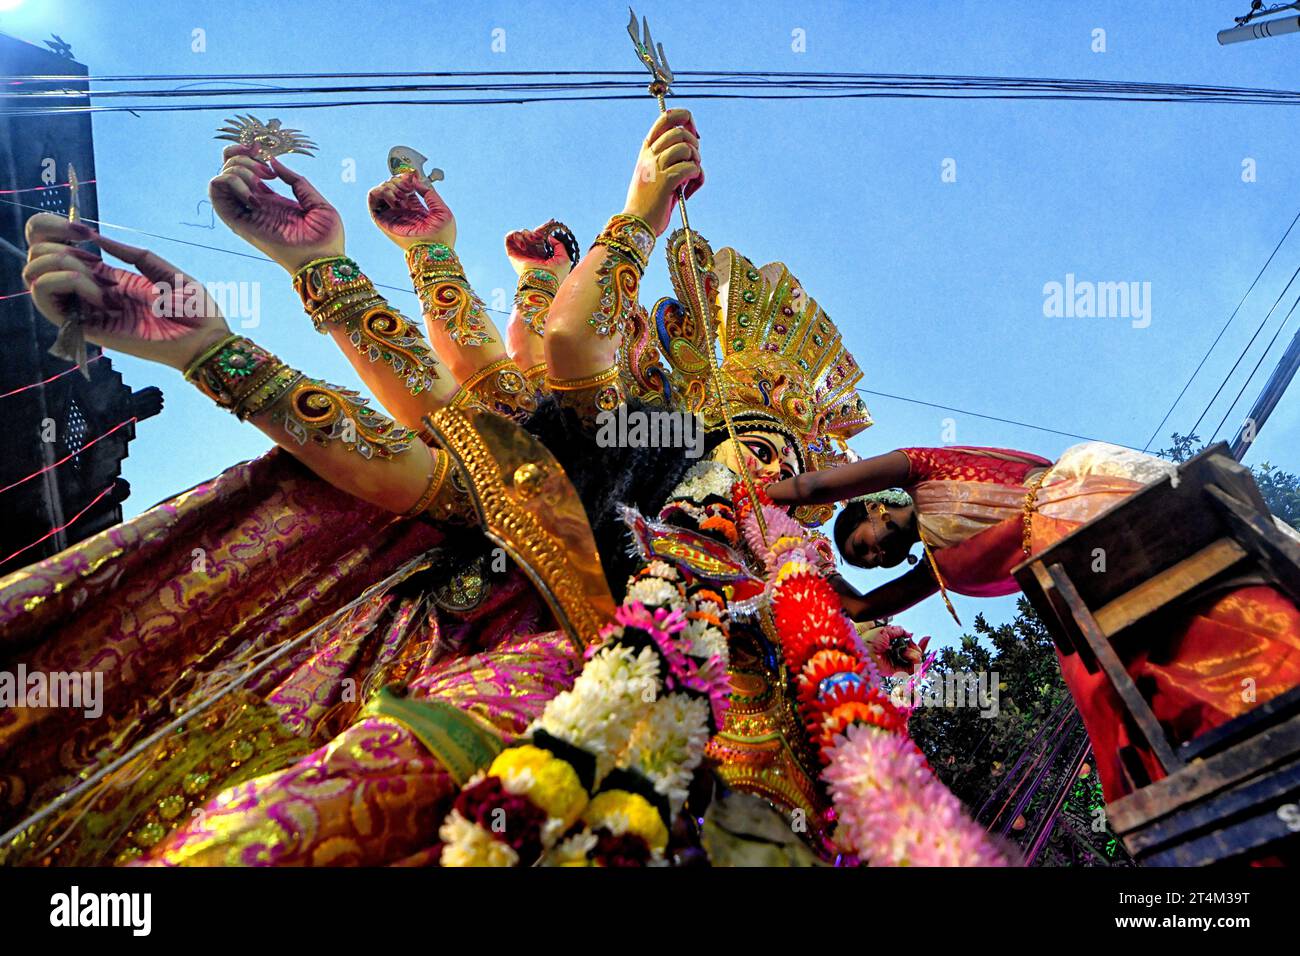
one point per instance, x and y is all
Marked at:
(549, 247)
(408, 211)
(294, 231)
(669, 158)
(159, 314)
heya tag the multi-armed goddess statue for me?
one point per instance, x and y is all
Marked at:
(466, 632)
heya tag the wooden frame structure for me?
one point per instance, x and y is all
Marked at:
(1233, 792)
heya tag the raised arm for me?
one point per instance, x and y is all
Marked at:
(593, 303)
(162, 315)
(846, 481)
(542, 258)
(304, 234)
(409, 211)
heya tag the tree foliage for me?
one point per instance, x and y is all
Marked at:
(974, 754)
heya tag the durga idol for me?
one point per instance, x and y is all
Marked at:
(460, 631)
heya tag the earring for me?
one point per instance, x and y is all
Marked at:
(911, 558)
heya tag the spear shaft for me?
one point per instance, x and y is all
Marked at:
(661, 80)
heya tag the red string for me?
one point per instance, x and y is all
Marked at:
(15, 295)
(94, 358)
(70, 455)
(37, 189)
(54, 531)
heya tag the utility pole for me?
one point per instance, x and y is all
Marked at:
(1268, 398)
(1249, 28)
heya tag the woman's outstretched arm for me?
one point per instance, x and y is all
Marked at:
(843, 482)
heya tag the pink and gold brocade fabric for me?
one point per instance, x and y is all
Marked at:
(374, 795)
(170, 605)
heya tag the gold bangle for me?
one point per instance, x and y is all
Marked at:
(316, 262)
(466, 390)
(441, 464)
(499, 387)
(206, 354)
(241, 376)
(634, 218)
(323, 281)
(630, 235)
(591, 396)
(538, 371)
(433, 259)
(268, 393)
(575, 384)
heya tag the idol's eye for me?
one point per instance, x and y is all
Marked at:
(760, 450)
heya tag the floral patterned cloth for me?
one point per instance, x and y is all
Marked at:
(171, 606)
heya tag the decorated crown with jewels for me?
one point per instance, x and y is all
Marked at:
(783, 365)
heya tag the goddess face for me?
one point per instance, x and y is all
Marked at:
(768, 453)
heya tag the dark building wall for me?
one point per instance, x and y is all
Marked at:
(41, 425)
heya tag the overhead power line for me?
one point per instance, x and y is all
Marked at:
(1201, 363)
(1260, 328)
(610, 85)
(992, 418)
(1268, 348)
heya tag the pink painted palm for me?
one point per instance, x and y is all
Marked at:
(541, 248)
(408, 211)
(158, 313)
(292, 230)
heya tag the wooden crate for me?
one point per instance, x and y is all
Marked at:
(1233, 792)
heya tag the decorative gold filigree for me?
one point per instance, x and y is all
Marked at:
(335, 292)
(268, 139)
(446, 294)
(544, 530)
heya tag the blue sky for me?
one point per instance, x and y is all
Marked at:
(937, 286)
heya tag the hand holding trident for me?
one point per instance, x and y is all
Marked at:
(71, 342)
(654, 59)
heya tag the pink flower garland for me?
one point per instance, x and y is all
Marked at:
(893, 811)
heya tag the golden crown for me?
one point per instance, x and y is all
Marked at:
(783, 362)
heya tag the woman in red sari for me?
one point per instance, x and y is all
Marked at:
(979, 512)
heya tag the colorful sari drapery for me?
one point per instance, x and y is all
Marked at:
(173, 604)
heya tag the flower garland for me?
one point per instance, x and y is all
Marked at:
(892, 810)
(703, 497)
(610, 760)
(607, 766)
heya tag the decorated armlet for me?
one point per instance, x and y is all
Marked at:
(337, 294)
(443, 289)
(589, 396)
(533, 298)
(499, 387)
(244, 378)
(628, 241)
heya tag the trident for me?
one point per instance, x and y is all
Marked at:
(652, 57)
